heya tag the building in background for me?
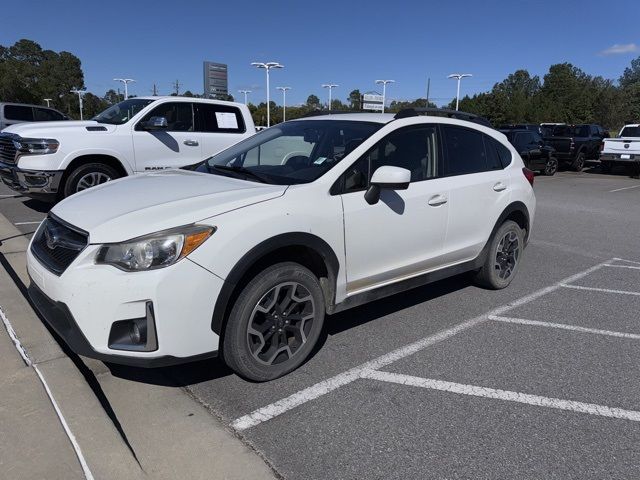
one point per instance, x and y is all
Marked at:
(215, 80)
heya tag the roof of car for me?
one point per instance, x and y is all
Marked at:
(360, 117)
(632, 125)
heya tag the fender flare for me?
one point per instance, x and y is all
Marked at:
(242, 267)
(514, 207)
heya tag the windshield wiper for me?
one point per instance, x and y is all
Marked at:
(242, 170)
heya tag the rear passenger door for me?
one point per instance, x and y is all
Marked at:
(220, 126)
(479, 190)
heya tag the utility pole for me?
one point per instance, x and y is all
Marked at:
(47, 100)
(245, 94)
(176, 86)
(80, 93)
(126, 82)
(284, 101)
(330, 86)
(384, 90)
(267, 66)
(428, 85)
(459, 76)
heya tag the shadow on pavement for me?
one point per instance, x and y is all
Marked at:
(38, 206)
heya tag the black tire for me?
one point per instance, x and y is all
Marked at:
(498, 271)
(258, 330)
(87, 176)
(551, 167)
(605, 167)
(578, 163)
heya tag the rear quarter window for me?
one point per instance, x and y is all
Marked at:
(18, 112)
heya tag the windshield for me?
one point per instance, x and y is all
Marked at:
(122, 112)
(630, 132)
(291, 153)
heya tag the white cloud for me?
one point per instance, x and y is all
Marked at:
(618, 49)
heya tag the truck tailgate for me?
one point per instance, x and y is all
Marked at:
(622, 145)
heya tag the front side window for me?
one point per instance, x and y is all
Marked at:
(18, 112)
(179, 116)
(219, 118)
(290, 153)
(122, 112)
(465, 151)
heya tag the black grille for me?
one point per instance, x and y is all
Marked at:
(7, 148)
(57, 244)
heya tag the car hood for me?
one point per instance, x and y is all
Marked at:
(147, 203)
(56, 129)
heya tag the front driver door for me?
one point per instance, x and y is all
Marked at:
(402, 235)
(176, 146)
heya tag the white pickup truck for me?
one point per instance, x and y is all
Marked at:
(623, 150)
(53, 160)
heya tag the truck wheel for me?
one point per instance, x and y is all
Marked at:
(87, 176)
(551, 167)
(275, 323)
(578, 163)
(503, 259)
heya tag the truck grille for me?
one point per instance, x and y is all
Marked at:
(7, 148)
(57, 244)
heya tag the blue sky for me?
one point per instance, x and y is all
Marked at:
(350, 43)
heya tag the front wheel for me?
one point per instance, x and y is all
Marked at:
(275, 323)
(87, 176)
(551, 167)
(578, 163)
(503, 258)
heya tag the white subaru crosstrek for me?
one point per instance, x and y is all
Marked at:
(244, 253)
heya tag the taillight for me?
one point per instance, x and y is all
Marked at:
(529, 175)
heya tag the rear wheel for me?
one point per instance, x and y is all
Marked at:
(578, 163)
(551, 167)
(503, 258)
(87, 176)
(275, 323)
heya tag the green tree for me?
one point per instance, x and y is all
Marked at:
(111, 97)
(313, 102)
(631, 74)
(355, 100)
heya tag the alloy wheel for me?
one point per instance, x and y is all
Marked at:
(507, 255)
(551, 167)
(91, 180)
(280, 323)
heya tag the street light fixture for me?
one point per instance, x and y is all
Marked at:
(80, 93)
(459, 76)
(284, 102)
(267, 66)
(330, 86)
(245, 94)
(47, 100)
(384, 90)
(126, 82)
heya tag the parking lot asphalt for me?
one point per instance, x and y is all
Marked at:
(453, 381)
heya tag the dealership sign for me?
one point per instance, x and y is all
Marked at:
(372, 101)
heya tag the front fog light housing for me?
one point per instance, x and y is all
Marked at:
(153, 251)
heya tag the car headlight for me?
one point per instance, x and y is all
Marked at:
(36, 146)
(157, 250)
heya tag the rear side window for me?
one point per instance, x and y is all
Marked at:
(465, 151)
(18, 112)
(219, 118)
(47, 115)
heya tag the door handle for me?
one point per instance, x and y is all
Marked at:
(437, 200)
(499, 187)
(191, 143)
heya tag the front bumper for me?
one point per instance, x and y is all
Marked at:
(30, 182)
(86, 301)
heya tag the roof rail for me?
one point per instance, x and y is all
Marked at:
(443, 112)
(318, 113)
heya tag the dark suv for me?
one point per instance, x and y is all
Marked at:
(535, 152)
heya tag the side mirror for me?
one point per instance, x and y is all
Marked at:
(155, 123)
(388, 177)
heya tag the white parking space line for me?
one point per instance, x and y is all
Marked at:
(625, 260)
(321, 388)
(596, 289)
(562, 326)
(623, 266)
(506, 395)
(624, 188)
(9, 196)
(28, 223)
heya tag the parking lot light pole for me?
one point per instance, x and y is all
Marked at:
(245, 94)
(80, 93)
(284, 102)
(47, 100)
(267, 66)
(126, 82)
(384, 90)
(330, 86)
(459, 76)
